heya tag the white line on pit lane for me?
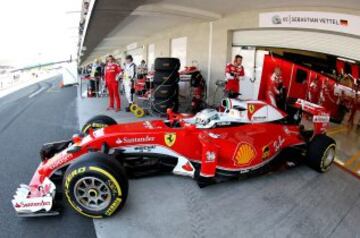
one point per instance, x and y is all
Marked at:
(36, 92)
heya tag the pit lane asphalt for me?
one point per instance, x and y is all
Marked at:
(28, 118)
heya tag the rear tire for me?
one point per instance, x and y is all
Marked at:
(321, 153)
(96, 185)
(97, 122)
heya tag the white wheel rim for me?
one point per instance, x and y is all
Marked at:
(329, 156)
(92, 193)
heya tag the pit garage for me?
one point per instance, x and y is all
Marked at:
(294, 69)
(316, 49)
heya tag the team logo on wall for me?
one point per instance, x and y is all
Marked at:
(244, 154)
(170, 138)
(276, 20)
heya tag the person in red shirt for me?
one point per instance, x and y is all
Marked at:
(274, 85)
(314, 91)
(233, 72)
(112, 69)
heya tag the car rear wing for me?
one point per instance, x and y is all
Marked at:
(320, 116)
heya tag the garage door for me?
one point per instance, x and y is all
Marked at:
(338, 45)
(178, 49)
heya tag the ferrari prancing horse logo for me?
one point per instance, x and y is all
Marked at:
(170, 138)
(251, 108)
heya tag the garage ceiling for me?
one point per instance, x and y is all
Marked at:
(116, 23)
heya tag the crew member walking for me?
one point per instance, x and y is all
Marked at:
(112, 69)
(128, 81)
(233, 72)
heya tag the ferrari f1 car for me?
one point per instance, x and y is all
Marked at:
(210, 147)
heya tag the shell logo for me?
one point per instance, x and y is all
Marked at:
(244, 154)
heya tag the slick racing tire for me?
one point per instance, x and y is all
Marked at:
(97, 122)
(166, 77)
(167, 64)
(164, 91)
(95, 185)
(161, 106)
(321, 153)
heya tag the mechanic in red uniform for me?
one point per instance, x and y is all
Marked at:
(314, 90)
(327, 99)
(112, 69)
(354, 108)
(273, 86)
(233, 72)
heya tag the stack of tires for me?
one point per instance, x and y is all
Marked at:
(165, 85)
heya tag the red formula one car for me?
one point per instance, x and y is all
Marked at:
(210, 147)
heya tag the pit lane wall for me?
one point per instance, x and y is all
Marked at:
(12, 84)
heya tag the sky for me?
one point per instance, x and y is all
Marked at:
(38, 31)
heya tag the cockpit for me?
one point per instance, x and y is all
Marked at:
(206, 116)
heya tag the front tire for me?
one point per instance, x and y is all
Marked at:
(321, 153)
(95, 186)
(97, 122)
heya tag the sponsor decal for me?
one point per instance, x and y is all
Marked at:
(113, 207)
(170, 138)
(144, 148)
(252, 108)
(98, 125)
(60, 160)
(321, 119)
(148, 125)
(244, 154)
(32, 204)
(278, 143)
(112, 186)
(127, 140)
(259, 118)
(210, 156)
(265, 152)
(73, 174)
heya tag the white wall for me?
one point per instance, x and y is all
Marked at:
(222, 34)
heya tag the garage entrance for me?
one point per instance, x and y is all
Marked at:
(303, 56)
(333, 44)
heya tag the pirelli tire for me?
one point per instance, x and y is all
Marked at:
(321, 153)
(95, 185)
(161, 105)
(97, 122)
(165, 91)
(167, 64)
(166, 77)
